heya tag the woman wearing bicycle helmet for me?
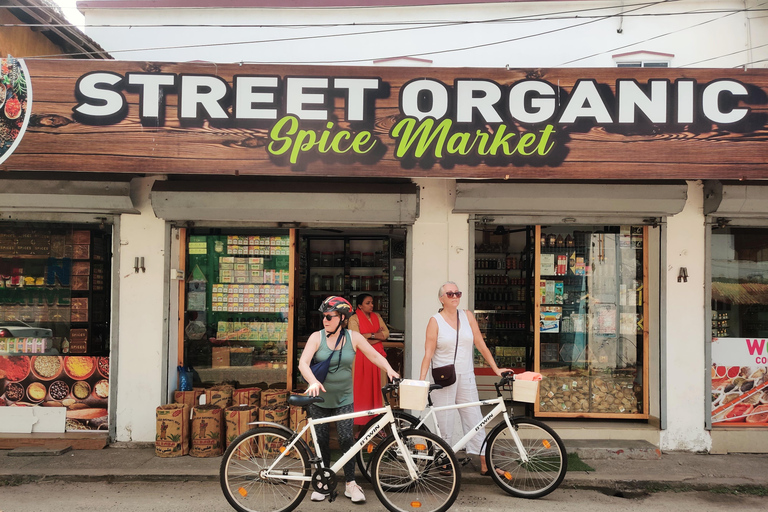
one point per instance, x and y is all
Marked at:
(338, 384)
(443, 346)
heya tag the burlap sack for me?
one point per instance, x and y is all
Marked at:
(270, 397)
(206, 431)
(237, 419)
(190, 398)
(172, 437)
(247, 396)
(297, 421)
(219, 395)
(275, 414)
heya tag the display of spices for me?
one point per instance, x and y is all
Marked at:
(13, 102)
(102, 389)
(103, 365)
(59, 390)
(47, 367)
(81, 390)
(16, 368)
(36, 391)
(14, 391)
(79, 367)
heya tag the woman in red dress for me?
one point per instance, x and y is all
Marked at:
(367, 390)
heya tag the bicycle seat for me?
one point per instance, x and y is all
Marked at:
(304, 400)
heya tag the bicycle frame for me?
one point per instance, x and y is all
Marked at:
(499, 409)
(387, 418)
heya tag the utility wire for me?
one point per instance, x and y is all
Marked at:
(371, 32)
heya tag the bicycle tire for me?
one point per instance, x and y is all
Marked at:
(438, 480)
(547, 459)
(244, 460)
(365, 455)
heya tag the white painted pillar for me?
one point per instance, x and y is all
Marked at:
(142, 313)
(685, 308)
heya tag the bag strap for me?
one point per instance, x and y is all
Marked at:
(456, 348)
(338, 340)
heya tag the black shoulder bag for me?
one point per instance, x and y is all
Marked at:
(446, 375)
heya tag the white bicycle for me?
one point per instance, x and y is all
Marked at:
(525, 457)
(271, 467)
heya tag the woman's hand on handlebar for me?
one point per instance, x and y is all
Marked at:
(504, 372)
(314, 389)
(392, 374)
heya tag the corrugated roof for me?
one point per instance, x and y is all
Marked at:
(72, 41)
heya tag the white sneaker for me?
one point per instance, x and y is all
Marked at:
(354, 492)
(316, 496)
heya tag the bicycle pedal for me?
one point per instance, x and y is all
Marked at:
(332, 496)
(464, 461)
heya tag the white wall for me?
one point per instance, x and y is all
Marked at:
(516, 34)
(685, 309)
(141, 347)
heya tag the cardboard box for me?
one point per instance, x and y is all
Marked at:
(220, 357)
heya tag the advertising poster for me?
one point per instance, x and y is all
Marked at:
(740, 382)
(78, 383)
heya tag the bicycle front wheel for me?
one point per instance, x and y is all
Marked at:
(243, 472)
(546, 462)
(403, 420)
(438, 477)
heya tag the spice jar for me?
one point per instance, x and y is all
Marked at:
(326, 259)
(368, 259)
(315, 282)
(338, 259)
(314, 258)
(355, 259)
(327, 283)
(354, 283)
(366, 283)
(339, 284)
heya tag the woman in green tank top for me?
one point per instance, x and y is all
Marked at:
(338, 385)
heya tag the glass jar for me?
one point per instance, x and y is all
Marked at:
(367, 282)
(328, 283)
(338, 259)
(354, 283)
(326, 259)
(314, 258)
(378, 283)
(339, 284)
(368, 259)
(315, 282)
(355, 259)
(380, 259)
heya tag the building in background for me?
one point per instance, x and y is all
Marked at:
(593, 256)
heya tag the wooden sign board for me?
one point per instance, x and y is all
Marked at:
(206, 118)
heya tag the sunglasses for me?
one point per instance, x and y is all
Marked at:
(330, 317)
(451, 295)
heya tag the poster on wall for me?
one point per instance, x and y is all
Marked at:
(78, 383)
(739, 382)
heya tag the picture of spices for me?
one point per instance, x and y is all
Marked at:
(103, 365)
(81, 390)
(13, 107)
(79, 367)
(14, 391)
(101, 389)
(16, 368)
(46, 367)
(59, 390)
(36, 391)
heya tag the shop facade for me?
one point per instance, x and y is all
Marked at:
(254, 191)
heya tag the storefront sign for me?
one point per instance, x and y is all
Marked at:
(740, 382)
(273, 120)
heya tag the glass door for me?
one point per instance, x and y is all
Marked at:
(590, 309)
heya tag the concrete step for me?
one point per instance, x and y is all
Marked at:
(613, 449)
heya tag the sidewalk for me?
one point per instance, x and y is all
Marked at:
(121, 462)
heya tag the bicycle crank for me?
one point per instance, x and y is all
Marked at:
(324, 481)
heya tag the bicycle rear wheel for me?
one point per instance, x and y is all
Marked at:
(438, 477)
(243, 472)
(403, 420)
(547, 459)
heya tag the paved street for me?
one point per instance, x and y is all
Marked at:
(207, 497)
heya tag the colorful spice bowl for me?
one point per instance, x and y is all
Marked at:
(36, 392)
(102, 363)
(14, 391)
(58, 390)
(16, 368)
(79, 367)
(101, 389)
(47, 367)
(81, 390)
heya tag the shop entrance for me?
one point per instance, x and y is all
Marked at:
(251, 296)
